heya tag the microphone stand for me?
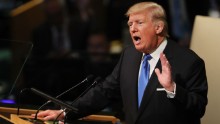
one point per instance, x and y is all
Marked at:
(19, 97)
(54, 122)
(96, 81)
(87, 89)
(90, 77)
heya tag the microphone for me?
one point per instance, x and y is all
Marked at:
(53, 99)
(87, 79)
(96, 81)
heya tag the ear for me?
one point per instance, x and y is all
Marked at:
(159, 27)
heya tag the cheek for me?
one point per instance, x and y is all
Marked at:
(145, 36)
(146, 32)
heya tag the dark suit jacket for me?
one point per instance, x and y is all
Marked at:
(188, 106)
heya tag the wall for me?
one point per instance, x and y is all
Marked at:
(206, 43)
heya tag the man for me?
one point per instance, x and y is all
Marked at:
(176, 92)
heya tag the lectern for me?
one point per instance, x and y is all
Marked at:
(4, 120)
(25, 117)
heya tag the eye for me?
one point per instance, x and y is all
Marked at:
(140, 23)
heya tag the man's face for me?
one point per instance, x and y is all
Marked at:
(143, 32)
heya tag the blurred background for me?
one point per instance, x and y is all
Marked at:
(66, 40)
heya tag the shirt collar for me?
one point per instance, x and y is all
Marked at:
(156, 54)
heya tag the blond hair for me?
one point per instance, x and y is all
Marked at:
(156, 10)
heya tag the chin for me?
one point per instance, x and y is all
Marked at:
(139, 48)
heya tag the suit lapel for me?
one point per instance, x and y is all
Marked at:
(134, 83)
(153, 81)
(149, 91)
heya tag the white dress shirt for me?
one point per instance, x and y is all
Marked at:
(153, 61)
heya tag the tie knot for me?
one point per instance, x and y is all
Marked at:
(147, 57)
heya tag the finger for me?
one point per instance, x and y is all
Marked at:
(47, 118)
(43, 113)
(168, 65)
(163, 59)
(164, 62)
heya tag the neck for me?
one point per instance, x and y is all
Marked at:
(159, 40)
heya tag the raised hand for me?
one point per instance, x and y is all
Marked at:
(165, 76)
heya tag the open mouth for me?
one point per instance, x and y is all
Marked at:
(136, 38)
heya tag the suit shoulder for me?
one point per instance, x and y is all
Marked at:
(182, 52)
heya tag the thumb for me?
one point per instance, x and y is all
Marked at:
(157, 71)
(47, 118)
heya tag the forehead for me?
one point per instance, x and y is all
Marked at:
(142, 15)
